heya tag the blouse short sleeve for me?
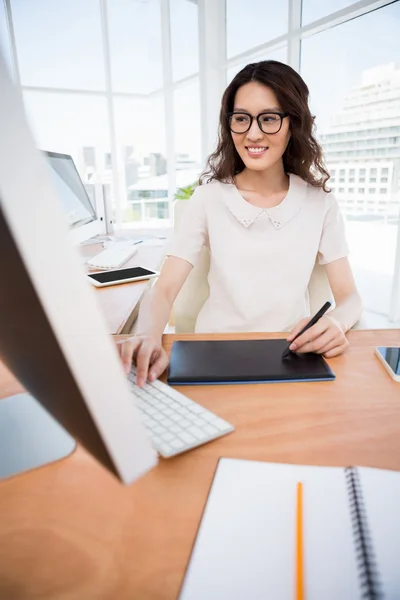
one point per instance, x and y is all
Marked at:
(191, 234)
(333, 244)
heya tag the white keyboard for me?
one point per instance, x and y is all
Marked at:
(113, 257)
(174, 422)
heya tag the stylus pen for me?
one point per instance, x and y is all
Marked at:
(310, 323)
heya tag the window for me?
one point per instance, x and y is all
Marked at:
(342, 172)
(351, 190)
(384, 179)
(341, 190)
(385, 171)
(53, 36)
(361, 190)
(187, 133)
(253, 23)
(280, 54)
(5, 48)
(184, 35)
(312, 10)
(383, 191)
(352, 172)
(135, 45)
(341, 179)
(345, 109)
(351, 180)
(140, 128)
(48, 114)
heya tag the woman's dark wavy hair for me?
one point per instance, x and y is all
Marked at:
(303, 155)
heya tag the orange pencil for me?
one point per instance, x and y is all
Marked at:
(299, 544)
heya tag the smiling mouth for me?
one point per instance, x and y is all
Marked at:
(256, 150)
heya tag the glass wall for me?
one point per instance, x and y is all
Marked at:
(118, 84)
(59, 44)
(355, 95)
(254, 22)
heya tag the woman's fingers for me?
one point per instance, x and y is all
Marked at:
(297, 329)
(305, 341)
(127, 351)
(159, 365)
(318, 343)
(143, 360)
(336, 350)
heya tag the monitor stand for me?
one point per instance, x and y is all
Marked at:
(29, 436)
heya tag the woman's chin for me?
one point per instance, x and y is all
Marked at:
(257, 164)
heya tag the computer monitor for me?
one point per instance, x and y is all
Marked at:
(53, 336)
(80, 212)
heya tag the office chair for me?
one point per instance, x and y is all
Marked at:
(195, 290)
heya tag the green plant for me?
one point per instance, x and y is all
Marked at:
(184, 193)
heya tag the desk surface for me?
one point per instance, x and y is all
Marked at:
(70, 531)
(120, 303)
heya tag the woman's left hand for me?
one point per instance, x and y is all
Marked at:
(325, 337)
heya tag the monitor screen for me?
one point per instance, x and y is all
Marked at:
(71, 190)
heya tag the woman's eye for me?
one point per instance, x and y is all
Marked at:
(269, 118)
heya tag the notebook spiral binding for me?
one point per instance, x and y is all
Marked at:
(367, 566)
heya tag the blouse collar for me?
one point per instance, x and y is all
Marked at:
(279, 215)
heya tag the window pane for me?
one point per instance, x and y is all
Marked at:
(140, 127)
(59, 43)
(315, 9)
(253, 23)
(184, 36)
(135, 45)
(187, 134)
(358, 120)
(280, 54)
(85, 136)
(5, 48)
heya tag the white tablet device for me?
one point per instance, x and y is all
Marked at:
(115, 276)
(390, 358)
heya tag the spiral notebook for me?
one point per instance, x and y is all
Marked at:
(245, 547)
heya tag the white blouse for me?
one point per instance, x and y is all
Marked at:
(261, 259)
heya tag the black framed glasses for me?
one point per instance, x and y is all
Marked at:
(269, 122)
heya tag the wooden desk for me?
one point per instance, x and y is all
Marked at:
(70, 531)
(120, 303)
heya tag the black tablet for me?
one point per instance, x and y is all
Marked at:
(242, 361)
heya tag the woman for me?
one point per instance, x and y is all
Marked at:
(266, 215)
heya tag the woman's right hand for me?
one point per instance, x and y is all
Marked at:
(148, 354)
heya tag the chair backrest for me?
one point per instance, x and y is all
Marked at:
(195, 290)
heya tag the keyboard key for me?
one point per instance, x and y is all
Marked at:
(188, 437)
(165, 449)
(175, 428)
(210, 429)
(158, 429)
(167, 437)
(177, 444)
(166, 423)
(176, 418)
(209, 416)
(221, 424)
(196, 408)
(197, 432)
